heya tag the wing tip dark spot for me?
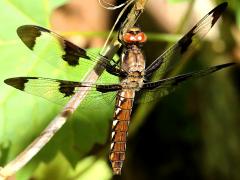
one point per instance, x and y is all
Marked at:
(217, 11)
(222, 6)
(185, 42)
(18, 83)
(28, 35)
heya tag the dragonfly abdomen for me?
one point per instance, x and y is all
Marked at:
(121, 120)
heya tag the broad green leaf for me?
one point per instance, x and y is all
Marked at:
(59, 168)
(22, 116)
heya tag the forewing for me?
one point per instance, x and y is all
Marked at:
(51, 46)
(172, 55)
(154, 90)
(60, 91)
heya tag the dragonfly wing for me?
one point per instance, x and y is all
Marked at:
(172, 55)
(60, 91)
(154, 90)
(56, 47)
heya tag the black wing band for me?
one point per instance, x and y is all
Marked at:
(60, 91)
(32, 36)
(191, 38)
(29, 34)
(174, 81)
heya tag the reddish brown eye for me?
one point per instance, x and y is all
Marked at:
(129, 38)
(141, 37)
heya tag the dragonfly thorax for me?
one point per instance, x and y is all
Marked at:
(133, 60)
(133, 81)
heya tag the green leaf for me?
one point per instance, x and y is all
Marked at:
(60, 169)
(22, 116)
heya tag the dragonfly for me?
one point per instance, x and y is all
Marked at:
(135, 82)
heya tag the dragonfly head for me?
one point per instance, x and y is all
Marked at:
(134, 35)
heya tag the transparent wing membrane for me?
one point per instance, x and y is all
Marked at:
(154, 90)
(52, 47)
(173, 55)
(60, 91)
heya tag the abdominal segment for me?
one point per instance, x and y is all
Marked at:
(121, 120)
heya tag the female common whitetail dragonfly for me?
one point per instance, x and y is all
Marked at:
(133, 76)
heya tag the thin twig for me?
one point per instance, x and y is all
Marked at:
(24, 157)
